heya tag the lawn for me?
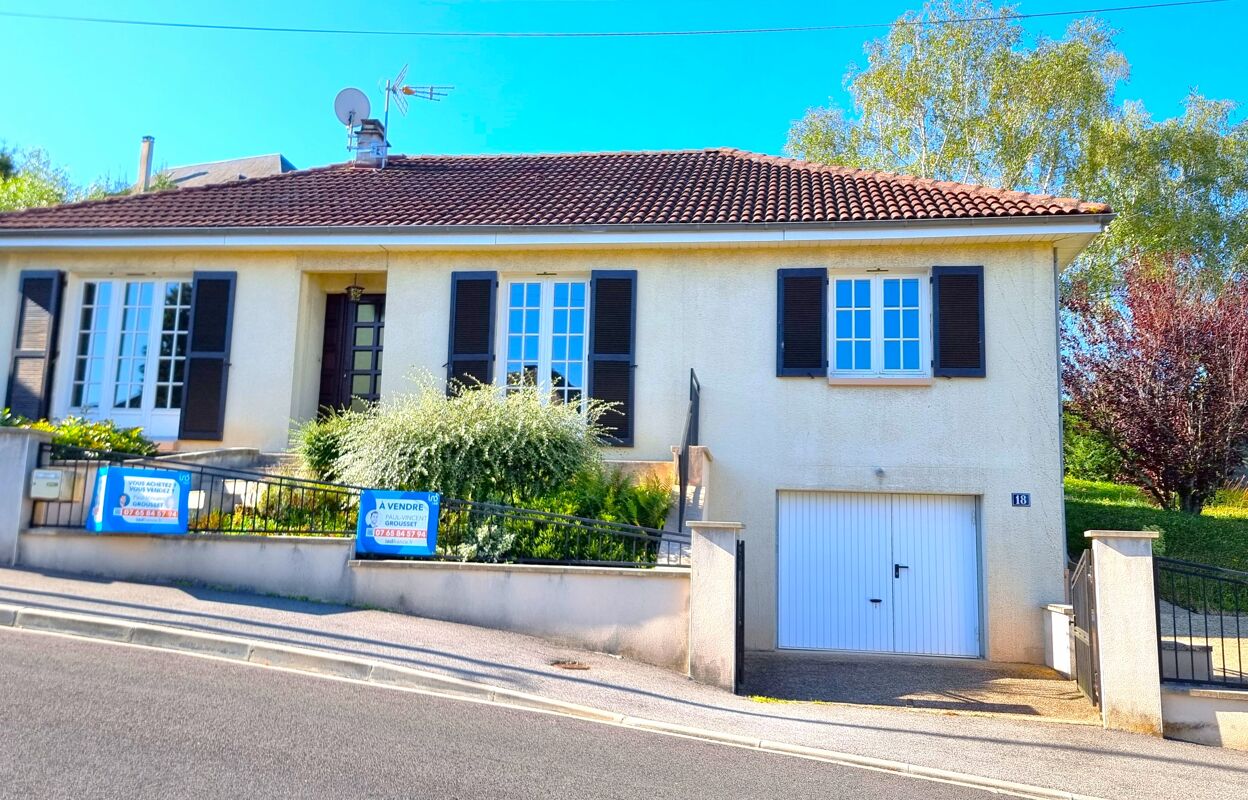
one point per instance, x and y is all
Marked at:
(1219, 536)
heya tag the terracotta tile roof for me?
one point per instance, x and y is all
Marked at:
(718, 186)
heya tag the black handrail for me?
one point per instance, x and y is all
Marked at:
(689, 439)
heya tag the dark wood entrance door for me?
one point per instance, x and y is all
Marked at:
(351, 351)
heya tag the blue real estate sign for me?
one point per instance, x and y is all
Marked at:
(398, 523)
(139, 501)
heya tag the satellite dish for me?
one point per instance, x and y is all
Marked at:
(351, 106)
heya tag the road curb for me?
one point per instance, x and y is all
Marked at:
(319, 662)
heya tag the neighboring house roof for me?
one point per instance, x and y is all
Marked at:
(706, 187)
(235, 169)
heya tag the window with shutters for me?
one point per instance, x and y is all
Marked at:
(543, 335)
(880, 326)
(130, 353)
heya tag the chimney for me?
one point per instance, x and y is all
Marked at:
(145, 163)
(371, 144)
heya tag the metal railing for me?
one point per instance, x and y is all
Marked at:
(1202, 623)
(220, 500)
(240, 501)
(687, 440)
(490, 532)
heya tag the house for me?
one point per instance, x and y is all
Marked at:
(877, 353)
(234, 169)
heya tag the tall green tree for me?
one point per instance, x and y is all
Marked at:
(1179, 186)
(973, 102)
(980, 102)
(32, 180)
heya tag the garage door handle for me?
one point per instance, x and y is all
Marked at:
(876, 600)
(897, 568)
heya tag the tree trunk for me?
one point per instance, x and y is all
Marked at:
(1192, 502)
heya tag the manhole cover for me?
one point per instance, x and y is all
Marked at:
(569, 664)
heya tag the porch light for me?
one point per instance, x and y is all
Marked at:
(355, 291)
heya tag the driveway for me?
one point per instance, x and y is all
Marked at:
(939, 684)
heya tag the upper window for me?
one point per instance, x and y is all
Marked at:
(545, 336)
(879, 326)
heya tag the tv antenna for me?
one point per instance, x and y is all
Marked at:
(400, 91)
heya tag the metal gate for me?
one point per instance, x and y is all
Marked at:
(738, 677)
(1083, 598)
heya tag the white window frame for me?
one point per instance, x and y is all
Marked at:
(157, 423)
(545, 326)
(877, 371)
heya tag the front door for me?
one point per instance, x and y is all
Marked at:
(351, 351)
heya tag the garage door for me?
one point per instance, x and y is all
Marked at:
(892, 573)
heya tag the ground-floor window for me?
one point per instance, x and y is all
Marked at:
(130, 352)
(544, 335)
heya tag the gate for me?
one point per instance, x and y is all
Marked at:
(738, 677)
(1083, 598)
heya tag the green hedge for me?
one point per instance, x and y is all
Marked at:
(1218, 537)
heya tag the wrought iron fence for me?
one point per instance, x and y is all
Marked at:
(1202, 623)
(239, 501)
(489, 532)
(220, 500)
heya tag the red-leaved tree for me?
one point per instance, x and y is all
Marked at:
(1161, 369)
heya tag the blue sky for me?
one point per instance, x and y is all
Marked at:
(87, 93)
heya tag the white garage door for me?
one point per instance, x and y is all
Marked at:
(885, 572)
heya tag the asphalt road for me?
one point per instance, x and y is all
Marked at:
(83, 719)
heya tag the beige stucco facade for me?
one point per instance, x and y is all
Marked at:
(711, 308)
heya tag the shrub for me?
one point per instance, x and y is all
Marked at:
(97, 436)
(476, 444)
(1218, 537)
(1087, 453)
(611, 494)
(319, 443)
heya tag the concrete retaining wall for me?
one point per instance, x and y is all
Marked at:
(641, 614)
(1216, 717)
(293, 566)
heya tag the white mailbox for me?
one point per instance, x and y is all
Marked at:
(51, 484)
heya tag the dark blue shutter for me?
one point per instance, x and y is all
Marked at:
(208, 356)
(470, 356)
(612, 349)
(34, 350)
(801, 322)
(958, 322)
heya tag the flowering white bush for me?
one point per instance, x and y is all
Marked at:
(476, 444)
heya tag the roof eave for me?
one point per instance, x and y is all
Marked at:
(1039, 221)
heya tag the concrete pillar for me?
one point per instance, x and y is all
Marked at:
(712, 602)
(19, 454)
(697, 493)
(1126, 630)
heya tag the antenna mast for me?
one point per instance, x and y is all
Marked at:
(400, 92)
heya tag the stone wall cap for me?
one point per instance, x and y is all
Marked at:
(517, 569)
(1060, 608)
(43, 436)
(1121, 534)
(1238, 695)
(723, 526)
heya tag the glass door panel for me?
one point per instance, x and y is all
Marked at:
(366, 320)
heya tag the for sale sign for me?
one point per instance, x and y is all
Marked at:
(139, 501)
(398, 523)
